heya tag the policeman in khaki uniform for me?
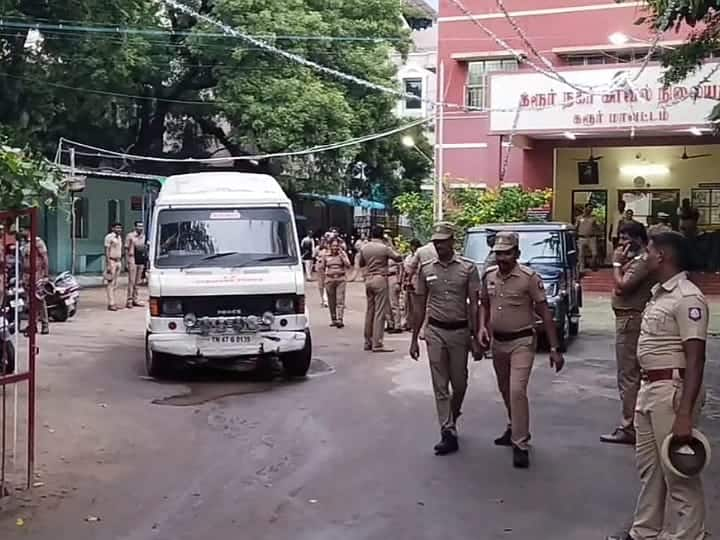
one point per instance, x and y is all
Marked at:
(447, 291)
(587, 229)
(394, 292)
(671, 352)
(333, 268)
(513, 296)
(136, 257)
(113, 262)
(631, 294)
(374, 258)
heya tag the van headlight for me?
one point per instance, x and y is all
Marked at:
(190, 320)
(268, 318)
(284, 306)
(172, 307)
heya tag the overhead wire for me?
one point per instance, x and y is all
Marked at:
(256, 157)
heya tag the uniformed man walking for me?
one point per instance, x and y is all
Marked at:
(408, 287)
(394, 292)
(136, 257)
(448, 292)
(374, 258)
(587, 229)
(333, 267)
(671, 353)
(113, 261)
(42, 273)
(513, 296)
(631, 294)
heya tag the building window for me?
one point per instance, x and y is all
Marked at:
(707, 202)
(477, 81)
(80, 217)
(609, 58)
(414, 87)
(115, 212)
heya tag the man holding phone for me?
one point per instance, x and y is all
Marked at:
(630, 295)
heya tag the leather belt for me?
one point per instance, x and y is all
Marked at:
(510, 336)
(655, 375)
(448, 325)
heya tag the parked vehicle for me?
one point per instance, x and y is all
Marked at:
(551, 250)
(225, 277)
(12, 309)
(61, 294)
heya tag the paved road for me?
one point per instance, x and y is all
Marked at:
(346, 454)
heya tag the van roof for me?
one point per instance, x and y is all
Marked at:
(221, 188)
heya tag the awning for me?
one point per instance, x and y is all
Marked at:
(347, 201)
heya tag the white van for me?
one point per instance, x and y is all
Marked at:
(225, 277)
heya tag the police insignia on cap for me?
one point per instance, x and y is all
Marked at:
(695, 313)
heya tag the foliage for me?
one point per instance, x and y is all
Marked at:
(418, 207)
(703, 16)
(261, 103)
(476, 207)
(26, 179)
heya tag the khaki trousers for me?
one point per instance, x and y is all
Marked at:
(587, 246)
(336, 299)
(627, 333)
(321, 289)
(376, 292)
(654, 417)
(394, 313)
(135, 272)
(408, 310)
(112, 272)
(448, 354)
(513, 361)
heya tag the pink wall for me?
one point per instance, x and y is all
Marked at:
(545, 31)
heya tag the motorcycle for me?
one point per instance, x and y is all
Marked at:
(61, 295)
(12, 308)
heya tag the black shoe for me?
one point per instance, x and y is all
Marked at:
(448, 444)
(45, 330)
(505, 439)
(619, 436)
(340, 325)
(521, 458)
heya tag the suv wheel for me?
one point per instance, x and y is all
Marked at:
(157, 365)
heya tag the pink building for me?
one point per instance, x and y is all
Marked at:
(625, 145)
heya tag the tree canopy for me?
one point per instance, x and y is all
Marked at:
(703, 16)
(165, 84)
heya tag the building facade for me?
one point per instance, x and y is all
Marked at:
(597, 127)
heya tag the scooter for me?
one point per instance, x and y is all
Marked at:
(61, 295)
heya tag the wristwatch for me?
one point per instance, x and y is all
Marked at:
(617, 265)
(554, 350)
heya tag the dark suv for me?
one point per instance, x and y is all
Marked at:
(551, 250)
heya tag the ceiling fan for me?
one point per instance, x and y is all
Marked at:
(685, 155)
(592, 157)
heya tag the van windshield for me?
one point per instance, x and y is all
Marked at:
(227, 237)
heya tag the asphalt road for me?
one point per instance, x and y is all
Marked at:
(346, 454)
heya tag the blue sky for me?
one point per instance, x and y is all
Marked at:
(433, 3)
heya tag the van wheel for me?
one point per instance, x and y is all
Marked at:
(297, 364)
(157, 365)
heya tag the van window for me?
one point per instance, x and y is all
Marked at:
(227, 237)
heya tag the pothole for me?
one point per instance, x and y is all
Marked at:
(205, 385)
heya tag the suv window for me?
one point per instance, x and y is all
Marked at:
(535, 247)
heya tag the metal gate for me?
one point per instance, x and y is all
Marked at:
(18, 350)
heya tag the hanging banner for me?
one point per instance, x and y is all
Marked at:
(549, 105)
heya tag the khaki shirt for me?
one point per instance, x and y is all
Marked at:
(113, 246)
(374, 257)
(448, 286)
(587, 226)
(134, 243)
(677, 312)
(335, 267)
(512, 298)
(424, 254)
(635, 269)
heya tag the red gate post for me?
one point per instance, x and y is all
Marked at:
(28, 275)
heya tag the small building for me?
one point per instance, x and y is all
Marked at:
(75, 229)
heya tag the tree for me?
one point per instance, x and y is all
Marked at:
(703, 16)
(26, 179)
(191, 91)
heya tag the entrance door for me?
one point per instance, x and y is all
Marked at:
(598, 198)
(648, 202)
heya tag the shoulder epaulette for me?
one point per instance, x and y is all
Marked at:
(688, 288)
(526, 270)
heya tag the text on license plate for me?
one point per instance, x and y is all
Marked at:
(241, 340)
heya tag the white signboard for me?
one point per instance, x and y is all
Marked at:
(549, 105)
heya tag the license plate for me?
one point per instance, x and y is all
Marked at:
(236, 340)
